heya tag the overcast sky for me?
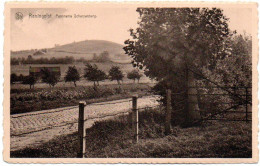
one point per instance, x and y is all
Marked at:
(110, 24)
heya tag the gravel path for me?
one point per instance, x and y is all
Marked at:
(31, 129)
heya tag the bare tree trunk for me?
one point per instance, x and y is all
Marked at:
(192, 108)
(193, 99)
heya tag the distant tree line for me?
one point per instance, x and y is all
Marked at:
(53, 60)
(102, 57)
(82, 60)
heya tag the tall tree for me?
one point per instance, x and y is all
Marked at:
(72, 75)
(116, 74)
(170, 41)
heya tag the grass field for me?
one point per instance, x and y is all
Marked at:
(112, 138)
(30, 100)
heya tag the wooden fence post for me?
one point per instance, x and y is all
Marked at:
(135, 118)
(168, 112)
(80, 129)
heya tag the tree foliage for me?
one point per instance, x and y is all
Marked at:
(14, 78)
(134, 75)
(42, 60)
(30, 80)
(72, 75)
(92, 73)
(236, 68)
(49, 77)
(169, 39)
(116, 74)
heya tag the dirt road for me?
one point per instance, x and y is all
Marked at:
(31, 129)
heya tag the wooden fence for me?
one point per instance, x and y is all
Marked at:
(132, 119)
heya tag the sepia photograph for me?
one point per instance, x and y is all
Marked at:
(161, 82)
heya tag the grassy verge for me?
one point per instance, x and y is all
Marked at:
(41, 99)
(113, 138)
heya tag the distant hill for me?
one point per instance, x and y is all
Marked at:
(83, 49)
